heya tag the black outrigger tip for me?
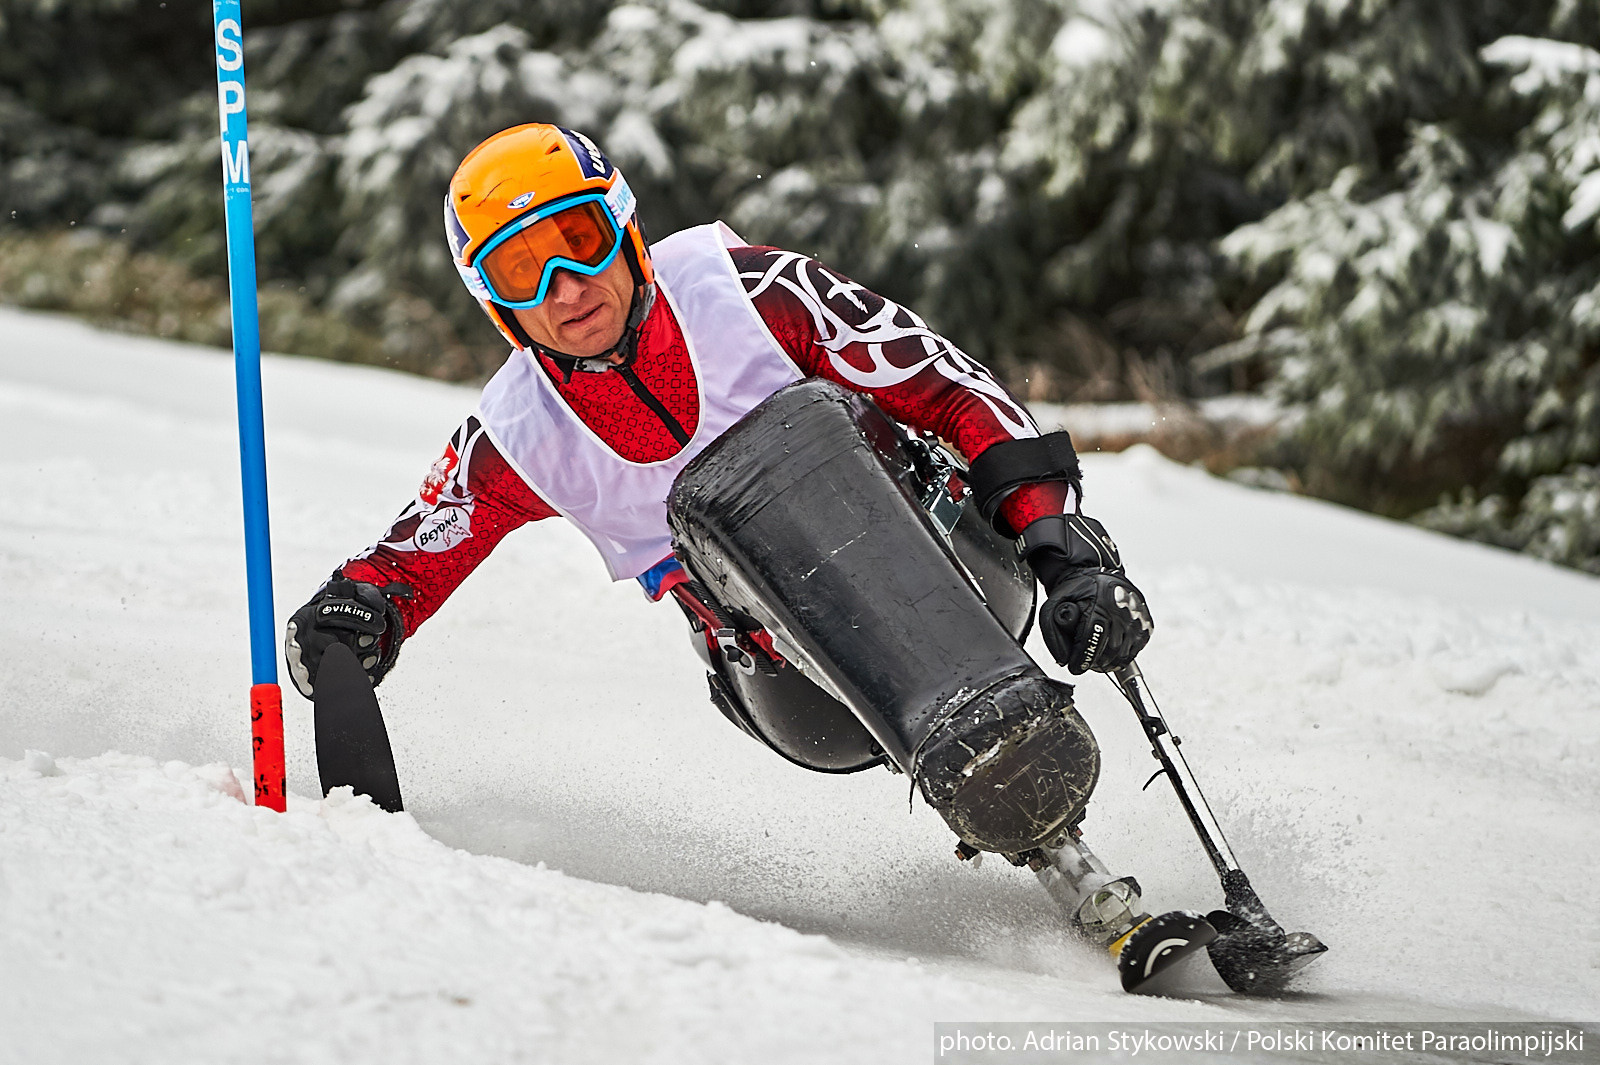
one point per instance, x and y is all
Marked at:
(352, 743)
(1252, 953)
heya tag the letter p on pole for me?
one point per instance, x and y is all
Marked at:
(266, 699)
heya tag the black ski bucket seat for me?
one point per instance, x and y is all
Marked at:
(802, 519)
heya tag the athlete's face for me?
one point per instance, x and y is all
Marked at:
(580, 315)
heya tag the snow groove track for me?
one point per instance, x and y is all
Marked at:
(1399, 731)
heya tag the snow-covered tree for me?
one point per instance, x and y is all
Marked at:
(1386, 207)
(1440, 325)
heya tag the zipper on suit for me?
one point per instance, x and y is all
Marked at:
(649, 399)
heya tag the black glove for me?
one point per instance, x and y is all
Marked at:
(1094, 617)
(362, 616)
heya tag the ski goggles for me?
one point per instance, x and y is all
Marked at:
(581, 233)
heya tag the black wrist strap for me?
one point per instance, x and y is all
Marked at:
(1046, 532)
(1058, 544)
(1044, 547)
(1011, 463)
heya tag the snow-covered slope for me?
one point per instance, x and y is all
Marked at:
(1401, 732)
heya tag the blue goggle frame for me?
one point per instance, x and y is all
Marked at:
(477, 280)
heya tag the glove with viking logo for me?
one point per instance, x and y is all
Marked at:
(1094, 617)
(362, 616)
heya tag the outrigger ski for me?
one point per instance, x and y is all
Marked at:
(1250, 951)
(352, 743)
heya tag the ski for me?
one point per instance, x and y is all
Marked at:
(352, 743)
(1149, 954)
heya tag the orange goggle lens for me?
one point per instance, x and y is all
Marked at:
(517, 268)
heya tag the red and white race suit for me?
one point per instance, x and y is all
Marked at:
(731, 325)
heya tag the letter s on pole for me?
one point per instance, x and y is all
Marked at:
(230, 49)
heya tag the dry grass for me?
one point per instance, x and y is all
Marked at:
(100, 279)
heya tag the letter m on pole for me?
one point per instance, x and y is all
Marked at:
(236, 162)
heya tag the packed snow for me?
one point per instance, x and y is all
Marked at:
(1398, 730)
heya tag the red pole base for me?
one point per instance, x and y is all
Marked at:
(266, 730)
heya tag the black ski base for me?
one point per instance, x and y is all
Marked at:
(1252, 952)
(1256, 959)
(1153, 950)
(352, 744)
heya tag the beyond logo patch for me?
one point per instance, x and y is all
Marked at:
(443, 529)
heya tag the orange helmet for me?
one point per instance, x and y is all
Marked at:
(535, 199)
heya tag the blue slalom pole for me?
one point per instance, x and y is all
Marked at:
(266, 699)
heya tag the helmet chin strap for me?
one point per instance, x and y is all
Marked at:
(627, 345)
